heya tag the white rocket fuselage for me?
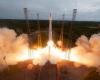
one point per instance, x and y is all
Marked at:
(50, 27)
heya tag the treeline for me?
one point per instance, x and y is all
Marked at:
(78, 28)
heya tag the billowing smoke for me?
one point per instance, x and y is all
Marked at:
(14, 48)
(11, 46)
(88, 50)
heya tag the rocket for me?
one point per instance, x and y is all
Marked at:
(50, 42)
(50, 27)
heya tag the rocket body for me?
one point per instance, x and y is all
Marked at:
(50, 27)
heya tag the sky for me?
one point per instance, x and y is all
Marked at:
(87, 10)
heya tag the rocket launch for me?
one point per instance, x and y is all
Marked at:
(50, 28)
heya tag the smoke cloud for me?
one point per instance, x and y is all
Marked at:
(11, 46)
(14, 47)
(88, 50)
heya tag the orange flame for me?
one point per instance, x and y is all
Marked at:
(49, 53)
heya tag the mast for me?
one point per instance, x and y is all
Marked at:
(62, 28)
(39, 33)
(74, 14)
(28, 27)
(71, 29)
(26, 18)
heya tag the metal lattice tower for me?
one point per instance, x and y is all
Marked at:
(39, 33)
(71, 30)
(27, 26)
(27, 21)
(74, 14)
(62, 28)
(5, 62)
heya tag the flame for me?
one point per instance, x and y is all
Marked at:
(49, 53)
(23, 55)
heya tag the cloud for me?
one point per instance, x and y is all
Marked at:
(14, 8)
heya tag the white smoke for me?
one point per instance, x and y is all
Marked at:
(88, 50)
(10, 46)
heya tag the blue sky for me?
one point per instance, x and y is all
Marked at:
(87, 9)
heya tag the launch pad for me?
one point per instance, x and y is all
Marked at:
(64, 70)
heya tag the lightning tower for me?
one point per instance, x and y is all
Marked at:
(71, 29)
(26, 18)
